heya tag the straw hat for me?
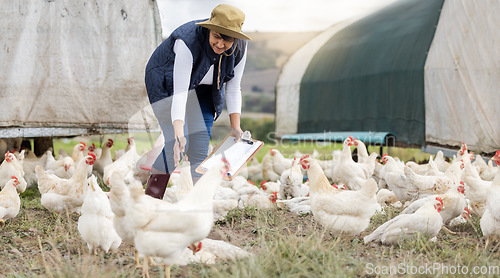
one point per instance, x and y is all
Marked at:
(227, 20)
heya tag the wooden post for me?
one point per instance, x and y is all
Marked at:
(42, 144)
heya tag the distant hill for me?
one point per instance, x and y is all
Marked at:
(267, 52)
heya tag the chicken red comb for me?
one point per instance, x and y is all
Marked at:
(440, 200)
(462, 183)
(16, 181)
(496, 157)
(9, 156)
(273, 197)
(262, 183)
(92, 155)
(251, 182)
(110, 140)
(83, 144)
(306, 156)
(195, 247)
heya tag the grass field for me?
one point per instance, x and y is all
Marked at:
(144, 142)
(40, 243)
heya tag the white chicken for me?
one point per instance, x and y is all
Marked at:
(124, 164)
(253, 171)
(463, 154)
(268, 172)
(392, 176)
(441, 162)
(181, 186)
(237, 183)
(29, 164)
(120, 200)
(479, 163)
(167, 231)
(10, 167)
(211, 252)
(426, 220)
(477, 189)
(386, 197)
(349, 172)
(298, 205)
(490, 221)
(453, 203)
(291, 182)
(252, 196)
(338, 210)
(79, 151)
(270, 186)
(490, 171)
(60, 194)
(64, 167)
(95, 224)
(426, 169)
(361, 149)
(222, 208)
(104, 160)
(436, 184)
(10, 203)
(280, 163)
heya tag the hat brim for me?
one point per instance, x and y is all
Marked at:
(225, 31)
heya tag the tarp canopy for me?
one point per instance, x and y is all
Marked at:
(426, 71)
(75, 67)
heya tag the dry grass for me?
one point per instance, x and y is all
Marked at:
(39, 243)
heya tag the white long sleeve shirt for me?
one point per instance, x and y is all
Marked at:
(183, 66)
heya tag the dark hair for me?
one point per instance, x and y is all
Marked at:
(227, 38)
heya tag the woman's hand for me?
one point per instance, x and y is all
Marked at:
(180, 141)
(236, 131)
(179, 147)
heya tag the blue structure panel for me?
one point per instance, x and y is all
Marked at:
(368, 137)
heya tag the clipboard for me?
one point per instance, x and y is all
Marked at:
(238, 154)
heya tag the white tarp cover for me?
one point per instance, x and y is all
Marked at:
(462, 77)
(74, 65)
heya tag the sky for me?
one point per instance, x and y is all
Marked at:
(270, 15)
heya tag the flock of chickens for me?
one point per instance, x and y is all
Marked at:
(340, 193)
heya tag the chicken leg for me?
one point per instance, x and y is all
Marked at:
(167, 270)
(487, 243)
(145, 268)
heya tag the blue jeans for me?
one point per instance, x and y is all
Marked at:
(198, 124)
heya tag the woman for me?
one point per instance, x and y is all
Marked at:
(185, 79)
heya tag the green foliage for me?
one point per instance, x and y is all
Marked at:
(262, 129)
(265, 58)
(256, 102)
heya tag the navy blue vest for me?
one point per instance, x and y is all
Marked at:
(159, 70)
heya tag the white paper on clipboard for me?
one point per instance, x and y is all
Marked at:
(236, 153)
